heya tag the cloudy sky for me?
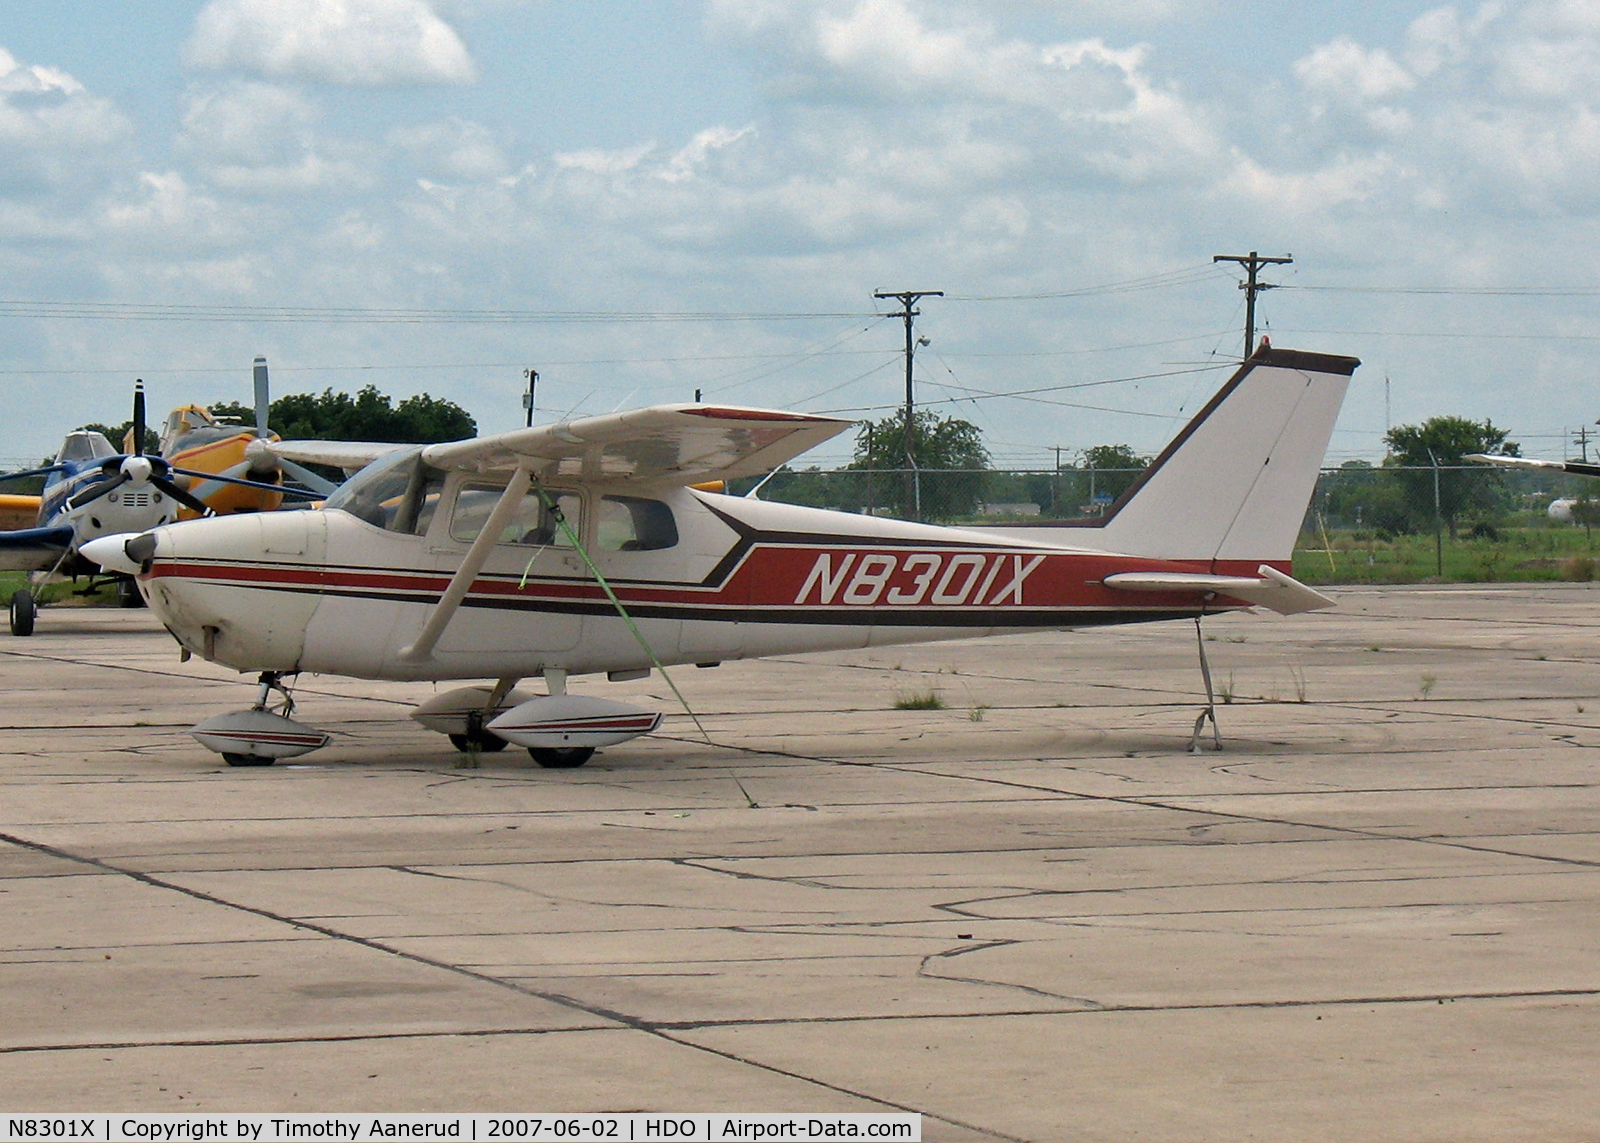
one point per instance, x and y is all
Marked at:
(642, 199)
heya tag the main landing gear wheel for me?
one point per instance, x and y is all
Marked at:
(561, 757)
(23, 611)
(483, 742)
(247, 760)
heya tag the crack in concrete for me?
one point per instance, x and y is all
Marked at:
(620, 1020)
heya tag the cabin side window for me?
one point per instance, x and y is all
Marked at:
(532, 523)
(634, 524)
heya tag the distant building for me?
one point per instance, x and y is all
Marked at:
(1029, 508)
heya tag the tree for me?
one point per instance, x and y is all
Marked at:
(1362, 496)
(116, 435)
(1445, 442)
(368, 416)
(947, 452)
(1111, 470)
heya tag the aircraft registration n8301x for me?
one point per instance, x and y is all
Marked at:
(585, 548)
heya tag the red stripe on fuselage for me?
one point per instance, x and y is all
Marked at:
(790, 578)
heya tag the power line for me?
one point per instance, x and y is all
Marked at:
(1466, 291)
(1184, 277)
(141, 311)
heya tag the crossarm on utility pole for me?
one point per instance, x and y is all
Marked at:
(1252, 263)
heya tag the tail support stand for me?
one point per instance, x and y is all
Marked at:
(1210, 712)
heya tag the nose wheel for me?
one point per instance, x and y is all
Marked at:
(264, 733)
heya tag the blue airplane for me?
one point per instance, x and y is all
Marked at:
(91, 490)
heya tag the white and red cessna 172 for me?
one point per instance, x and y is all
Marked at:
(584, 547)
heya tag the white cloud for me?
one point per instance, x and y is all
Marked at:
(165, 207)
(1436, 39)
(702, 150)
(246, 122)
(44, 106)
(263, 139)
(866, 80)
(1345, 70)
(452, 148)
(354, 42)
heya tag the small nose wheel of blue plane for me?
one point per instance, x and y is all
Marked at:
(23, 612)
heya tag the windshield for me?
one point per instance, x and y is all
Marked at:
(396, 492)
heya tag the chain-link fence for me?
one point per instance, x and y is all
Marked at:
(1365, 523)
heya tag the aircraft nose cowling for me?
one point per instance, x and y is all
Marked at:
(237, 589)
(113, 552)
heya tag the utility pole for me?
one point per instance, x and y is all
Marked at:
(527, 398)
(908, 299)
(1252, 264)
(1581, 439)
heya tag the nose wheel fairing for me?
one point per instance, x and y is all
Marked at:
(264, 733)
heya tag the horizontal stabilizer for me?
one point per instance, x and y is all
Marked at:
(1269, 588)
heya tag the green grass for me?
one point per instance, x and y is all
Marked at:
(1530, 554)
(919, 700)
(56, 594)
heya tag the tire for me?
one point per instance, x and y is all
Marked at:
(128, 594)
(247, 760)
(561, 757)
(23, 612)
(483, 742)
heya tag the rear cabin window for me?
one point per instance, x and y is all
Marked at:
(634, 524)
(532, 524)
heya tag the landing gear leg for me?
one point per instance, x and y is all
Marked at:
(273, 681)
(1210, 712)
(477, 737)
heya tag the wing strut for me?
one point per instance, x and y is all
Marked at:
(471, 564)
(577, 543)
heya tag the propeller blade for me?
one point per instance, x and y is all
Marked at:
(195, 474)
(182, 495)
(138, 418)
(263, 405)
(319, 485)
(99, 490)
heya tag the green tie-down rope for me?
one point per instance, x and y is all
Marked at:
(577, 544)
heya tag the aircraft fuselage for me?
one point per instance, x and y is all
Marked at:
(702, 578)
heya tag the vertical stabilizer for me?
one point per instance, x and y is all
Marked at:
(1232, 488)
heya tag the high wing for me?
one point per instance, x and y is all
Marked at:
(665, 445)
(33, 549)
(1575, 467)
(348, 455)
